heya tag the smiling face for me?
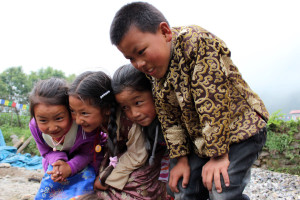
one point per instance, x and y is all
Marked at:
(138, 106)
(53, 120)
(86, 115)
(148, 52)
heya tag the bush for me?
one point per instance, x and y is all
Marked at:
(9, 126)
(12, 119)
(283, 144)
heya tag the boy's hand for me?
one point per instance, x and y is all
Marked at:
(212, 170)
(64, 169)
(98, 185)
(181, 169)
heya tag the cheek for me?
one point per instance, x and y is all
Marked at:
(128, 115)
(42, 127)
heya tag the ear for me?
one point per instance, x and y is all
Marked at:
(166, 31)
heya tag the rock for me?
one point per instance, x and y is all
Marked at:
(257, 163)
(5, 165)
(35, 178)
(264, 154)
(27, 197)
(14, 139)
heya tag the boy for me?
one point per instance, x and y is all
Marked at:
(213, 123)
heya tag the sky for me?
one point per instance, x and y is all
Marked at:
(73, 36)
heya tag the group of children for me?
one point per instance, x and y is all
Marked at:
(178, 122)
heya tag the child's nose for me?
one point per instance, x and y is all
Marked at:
(52, 127)
(78, 120)
(140, 64)
(135, 113)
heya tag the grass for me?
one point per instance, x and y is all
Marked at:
(9, 130)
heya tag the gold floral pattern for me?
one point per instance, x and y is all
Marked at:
(203, 97)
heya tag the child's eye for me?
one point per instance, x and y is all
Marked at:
(59, 118)
(42, 121)
(84, 113)
(141, 51)
(124, 108)
(138, 103)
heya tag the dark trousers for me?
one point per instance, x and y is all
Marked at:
(241, 156)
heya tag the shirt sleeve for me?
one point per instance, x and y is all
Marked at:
(135, 157)
(210, 90)
(45, 150)
(85, 153)
(83, 156)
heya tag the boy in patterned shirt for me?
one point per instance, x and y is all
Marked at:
(213, 123)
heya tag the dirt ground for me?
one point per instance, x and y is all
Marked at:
(18, 183)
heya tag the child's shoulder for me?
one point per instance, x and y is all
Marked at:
(182, 33)
(125, 124)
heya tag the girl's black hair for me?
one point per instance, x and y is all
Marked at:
(53, 91)
(95, 88)
(127, 76)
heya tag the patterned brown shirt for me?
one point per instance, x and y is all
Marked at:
(203, 102)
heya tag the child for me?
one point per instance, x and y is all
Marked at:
(66, 148)
(214, 124)
(133, 90)
(126, 176)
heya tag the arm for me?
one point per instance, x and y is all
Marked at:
(212, 100)
(134, 158)
(83, 152)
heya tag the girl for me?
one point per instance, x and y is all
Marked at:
(127, 176)
(66, 148)
(133, 92)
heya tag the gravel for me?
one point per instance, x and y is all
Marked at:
(266, 184)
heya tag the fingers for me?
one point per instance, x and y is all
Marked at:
(225, 177)
(207, 178)
(217, 181)
(186, 178)
(173, 184)
(57, 163)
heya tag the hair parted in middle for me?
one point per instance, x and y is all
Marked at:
(140, 14)
(127, 76)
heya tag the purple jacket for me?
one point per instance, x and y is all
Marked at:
(79, 156)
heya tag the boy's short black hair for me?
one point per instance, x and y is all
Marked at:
(140, 14)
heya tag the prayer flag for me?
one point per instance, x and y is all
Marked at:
(13, 104)
(2, 101)
(6, 102)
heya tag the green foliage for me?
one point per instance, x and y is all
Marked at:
(15, 85)
(283, 145)
(8, 131)
(278, 141)
(11, 119)
(14, 82)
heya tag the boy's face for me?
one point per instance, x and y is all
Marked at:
(148, 52)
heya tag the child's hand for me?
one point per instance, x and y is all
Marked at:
(212, 170)
(55, 174)
(181, 169)
(98, 184)
(64, 169)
